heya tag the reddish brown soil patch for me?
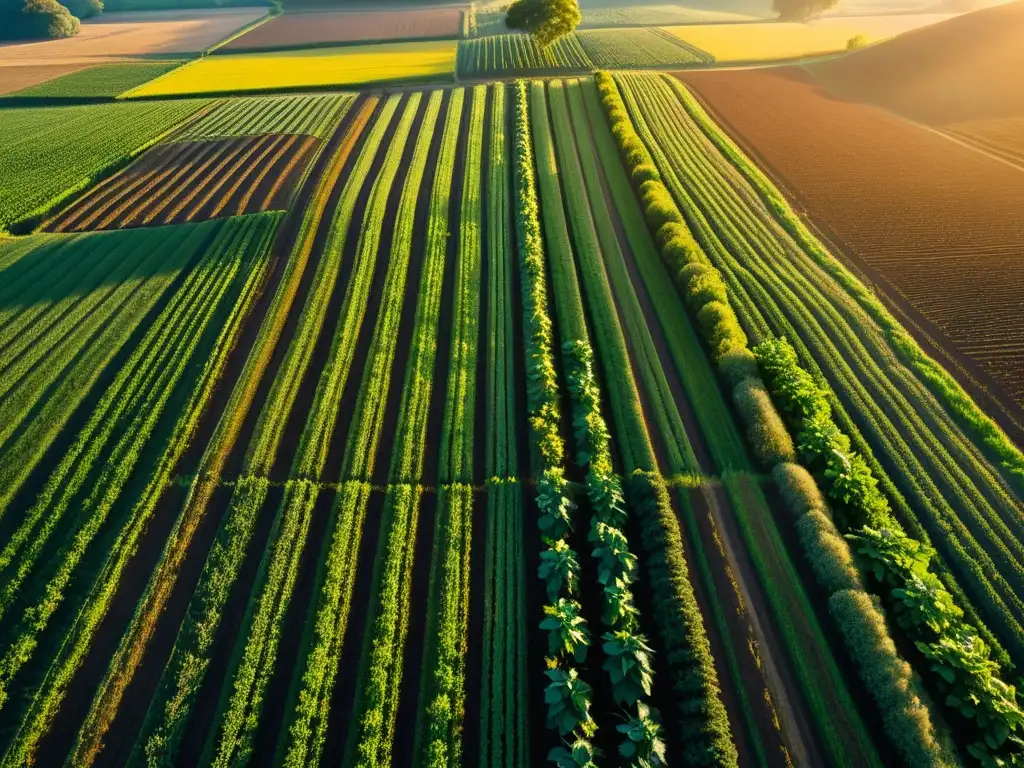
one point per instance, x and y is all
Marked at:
(968, 68)
(938, 224)
(195, 181)
(296, 30)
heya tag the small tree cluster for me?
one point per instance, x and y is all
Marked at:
(546, 20)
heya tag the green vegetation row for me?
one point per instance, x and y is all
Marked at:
(136, 639)
(702, 288)
(568, 697)
(442, 708)
(310, 697)
(51, 153)
(177, 361)
(953, 660)
(171, 708)
(504, 736)
(937, 482)
(702, 729)
(380, 665)
(312, 115)
(580, 51)
(70, 308)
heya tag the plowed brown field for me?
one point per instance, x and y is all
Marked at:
(194, 181)
(293, 30)
(939, 225)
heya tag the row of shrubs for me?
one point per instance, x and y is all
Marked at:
(907, 721)
(567, 695)
(953, 660)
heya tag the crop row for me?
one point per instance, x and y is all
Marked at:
(933, 474)
(568, 697)
(178, 183)
(137, 637)
(954, 662)
(171, 708)
(503, 711)
(907, 720)
(310, 698)
(726, 610)
(442, 690)
(58, 338)
(253, 662)
(681, 634)
(311, 115)
(502, 54)
(186, 346)
(380, 666)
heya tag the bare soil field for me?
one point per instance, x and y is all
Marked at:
(293, 30)
(939, 225)
(1003, 138)
(132, 34)
(968, 68)
(194, 181)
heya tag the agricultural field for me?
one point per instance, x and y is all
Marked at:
(243, 156)
(51, 153)
(320, 28)
(129, 34)
(315, 68)
(770, 41)
(102, 81)
(581, 51)
(934, 247)
(358, 410)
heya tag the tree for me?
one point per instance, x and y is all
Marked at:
(546, 20)
(83, 9)
(801, 10)
(27, 19)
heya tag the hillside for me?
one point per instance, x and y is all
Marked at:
(968, 68)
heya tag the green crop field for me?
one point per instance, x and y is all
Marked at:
(511, 54)
(491, 422)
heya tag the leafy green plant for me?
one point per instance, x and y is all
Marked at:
(614, 560)
(567, 630)
(579, 754)
(642, 744)
(560, 570)
(628, 662)
(568, 699)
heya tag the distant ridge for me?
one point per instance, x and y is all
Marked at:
(967, 68)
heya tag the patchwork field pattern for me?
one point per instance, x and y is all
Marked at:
(502, 424)
(50, 152)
